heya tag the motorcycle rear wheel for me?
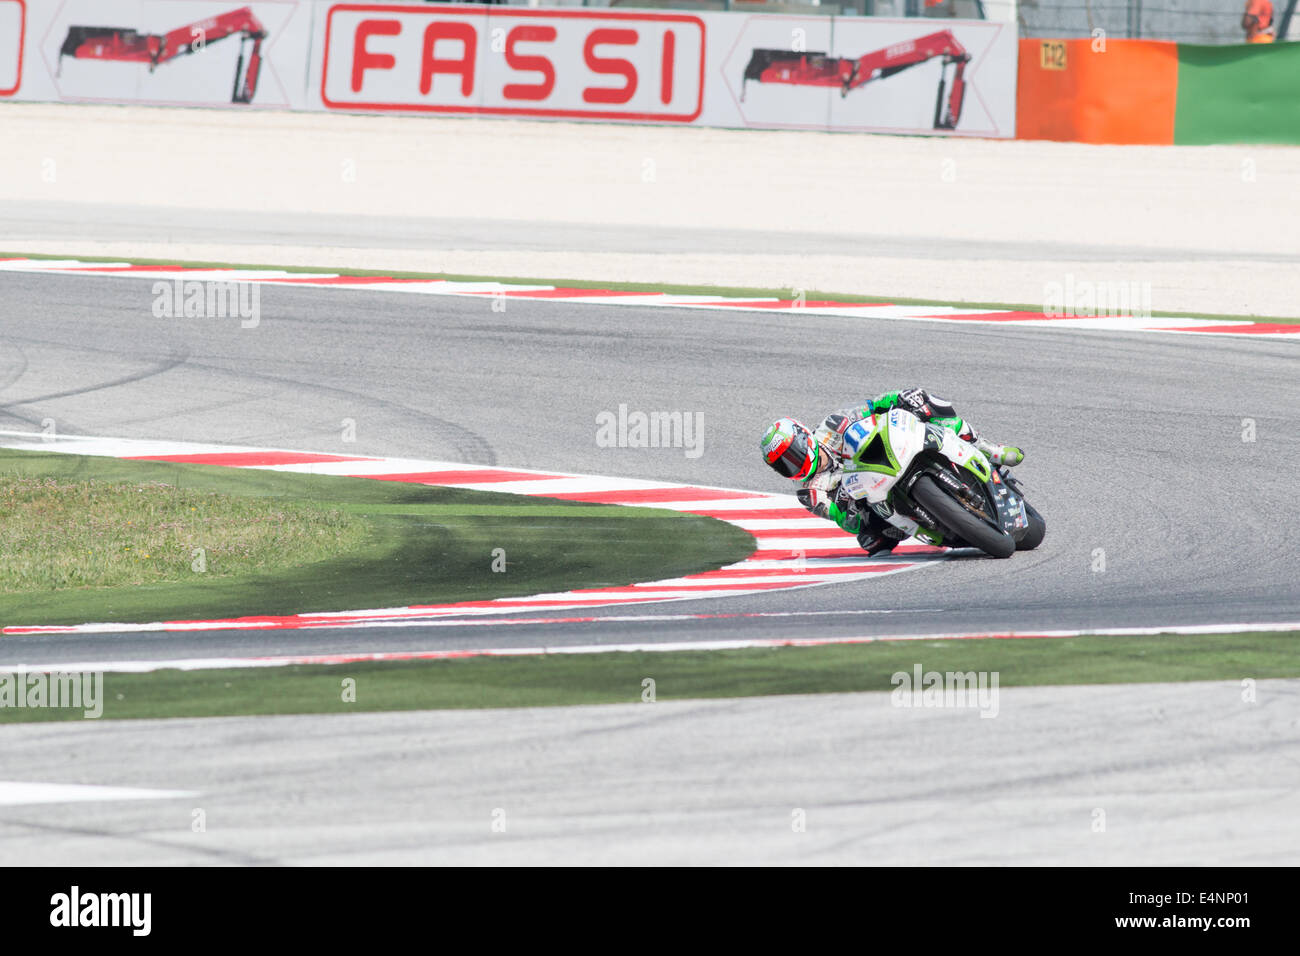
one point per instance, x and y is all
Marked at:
(956, 520)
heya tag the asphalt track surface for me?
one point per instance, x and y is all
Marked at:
(1134, 441)
(1135, 446)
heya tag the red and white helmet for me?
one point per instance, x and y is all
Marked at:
(789, 447)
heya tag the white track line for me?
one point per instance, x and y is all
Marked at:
(221, 663)
(15, 793)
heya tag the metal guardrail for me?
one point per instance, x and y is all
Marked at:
(1183, 21)
(1216, 21)
(943, 9)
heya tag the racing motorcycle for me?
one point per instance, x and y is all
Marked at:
(921, 478)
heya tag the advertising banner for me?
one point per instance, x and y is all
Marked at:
(13, 32)
(647, 67)
(919, 75)
(711, 69)
(163, 52)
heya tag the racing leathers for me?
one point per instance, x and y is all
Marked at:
(821, 492)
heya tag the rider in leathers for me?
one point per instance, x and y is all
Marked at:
(812, 458)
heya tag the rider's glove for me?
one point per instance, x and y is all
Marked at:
(815, 501)
(916, 401)
(837, 506)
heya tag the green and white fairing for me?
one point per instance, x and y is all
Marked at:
(880, 450)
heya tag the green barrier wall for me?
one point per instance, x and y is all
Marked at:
(1238, 94)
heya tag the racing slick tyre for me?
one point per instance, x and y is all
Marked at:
(960, 522)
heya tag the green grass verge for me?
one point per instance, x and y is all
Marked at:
(423, 545)
(563, 679)
(675, 289)
(58, 534)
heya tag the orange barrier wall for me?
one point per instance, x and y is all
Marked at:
(1126, 93)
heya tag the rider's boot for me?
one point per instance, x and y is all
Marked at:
(873, 542)
(1008, 455)
(879, 536)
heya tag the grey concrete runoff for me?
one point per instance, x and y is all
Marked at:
(1133, 774)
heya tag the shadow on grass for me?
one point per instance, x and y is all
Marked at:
(440, 545)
